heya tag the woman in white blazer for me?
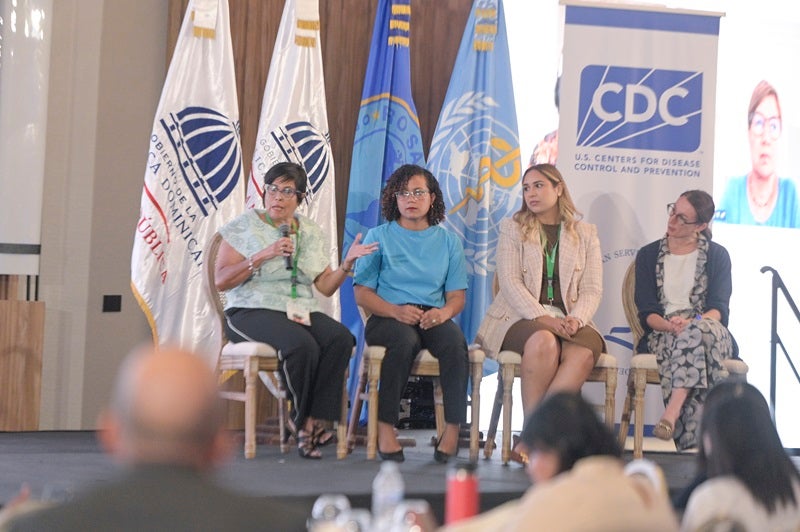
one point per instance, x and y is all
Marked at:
(550, 274)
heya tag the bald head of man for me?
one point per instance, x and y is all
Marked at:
(165, 409)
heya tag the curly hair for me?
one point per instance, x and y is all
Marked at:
(397, 183)
(569, 214)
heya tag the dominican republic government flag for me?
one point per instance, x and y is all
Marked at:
(294, 123)
(192, 182)
(475, 152)
(387, 136)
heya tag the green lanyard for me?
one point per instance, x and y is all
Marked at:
(296, 226)
(550, 262)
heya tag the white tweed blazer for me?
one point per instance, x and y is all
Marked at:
(519, 272)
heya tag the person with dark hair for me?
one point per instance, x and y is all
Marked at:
(751, 480)
(682, 291)
(550, 276)
(165, 427)
(411, 288)
(761, 197)
(579, 478)
(268, 261)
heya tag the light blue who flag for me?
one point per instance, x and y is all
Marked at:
(475, 152)
(387, 136)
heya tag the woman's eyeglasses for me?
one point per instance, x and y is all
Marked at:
(771, 125)
(286, 192)
(681, 218)
(417, 193)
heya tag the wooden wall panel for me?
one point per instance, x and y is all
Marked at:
(21, 343)
(346, 31)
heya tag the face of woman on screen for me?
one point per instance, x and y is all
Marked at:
(415, 200)
(765, 129)
(281, 200)
(541, 196)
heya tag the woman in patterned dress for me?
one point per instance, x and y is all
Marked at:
(682, 292)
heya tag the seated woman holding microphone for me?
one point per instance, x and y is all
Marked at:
(550, 274)
(267, 262)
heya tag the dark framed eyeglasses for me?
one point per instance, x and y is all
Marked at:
(286, 192)
(681, 218)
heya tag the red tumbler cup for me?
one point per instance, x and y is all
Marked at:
(461, 498)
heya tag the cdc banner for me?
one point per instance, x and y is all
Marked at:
(636, 128)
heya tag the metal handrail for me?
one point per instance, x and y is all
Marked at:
(775, 339)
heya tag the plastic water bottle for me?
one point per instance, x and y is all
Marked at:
(388, 490)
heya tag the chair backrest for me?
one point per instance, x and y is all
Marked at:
(209, 265)
(629, 304)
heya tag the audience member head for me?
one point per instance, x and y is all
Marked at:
(545, 192)
(739, 438)
(563, 429)
(397, 183)
(703, 205)
(165, 409)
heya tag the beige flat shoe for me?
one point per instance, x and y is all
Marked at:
(663, 430)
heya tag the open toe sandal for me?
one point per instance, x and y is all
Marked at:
(323, 436)
(306, 447)
(516, 454)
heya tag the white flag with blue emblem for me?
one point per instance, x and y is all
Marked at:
(192, 182)
(475, 151)
(294, 124)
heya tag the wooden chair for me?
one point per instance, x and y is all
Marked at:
(425, 365)
(257, 361)
(644, 369)
(605, 371)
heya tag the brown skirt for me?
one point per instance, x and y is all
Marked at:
(519, 333)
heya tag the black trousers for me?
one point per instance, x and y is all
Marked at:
(445, 342)
(313, 359)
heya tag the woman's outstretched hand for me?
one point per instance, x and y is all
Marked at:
(357, 250)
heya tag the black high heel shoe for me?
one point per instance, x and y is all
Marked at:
(396, 456)
(441, 456)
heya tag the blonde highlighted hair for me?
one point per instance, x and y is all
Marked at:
(569, 215)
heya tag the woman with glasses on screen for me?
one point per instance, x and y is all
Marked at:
(761, 197)
(412, 287)
(268, 260)
(682, 291)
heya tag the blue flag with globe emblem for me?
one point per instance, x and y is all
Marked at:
(387, 136)
(475, 152)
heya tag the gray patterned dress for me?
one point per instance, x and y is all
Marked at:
(693, 358)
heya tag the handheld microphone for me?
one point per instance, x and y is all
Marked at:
(284, 230)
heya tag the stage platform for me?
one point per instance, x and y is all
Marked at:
(57, 464)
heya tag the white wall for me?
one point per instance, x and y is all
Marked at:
(108, 63)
